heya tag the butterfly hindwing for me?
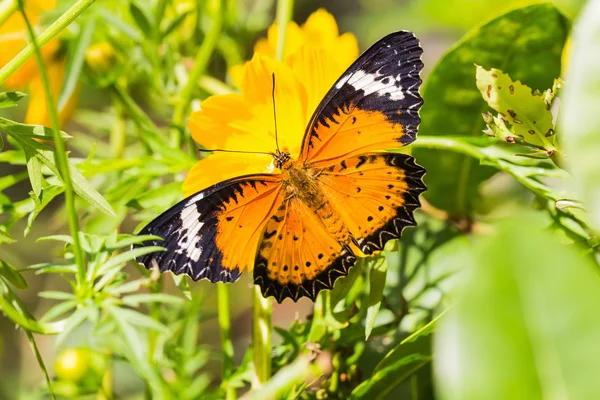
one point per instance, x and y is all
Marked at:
(214, 233)
(297, 257)
(373, 106)
(375, 195)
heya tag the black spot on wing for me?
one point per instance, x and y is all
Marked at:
(309, 288)
(188, 230)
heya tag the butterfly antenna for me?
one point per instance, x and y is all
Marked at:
(275, 113)
(234, 151)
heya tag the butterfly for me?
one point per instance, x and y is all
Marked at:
(301, 227)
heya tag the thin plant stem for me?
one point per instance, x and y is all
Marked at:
(7, 7)
(61, 23)
(262, 310)
(61, 157)
(118, 134)
(40, 361)
(285, 9)
(200, 63)
(226, 344)
(261, 336)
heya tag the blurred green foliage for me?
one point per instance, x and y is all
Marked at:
(464, 306)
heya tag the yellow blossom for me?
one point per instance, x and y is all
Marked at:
(244, 121)
(13, 38)
(319, 31)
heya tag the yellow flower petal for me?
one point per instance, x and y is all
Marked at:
(237, 74)
(14, 38)
(37, 110)
(226, 122)
(346, 49)
(221, 166)
(320, 29)
(318, 70)
(290, 100)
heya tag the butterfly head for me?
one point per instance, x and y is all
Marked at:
(282, 159)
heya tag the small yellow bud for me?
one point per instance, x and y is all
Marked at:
(101, 57)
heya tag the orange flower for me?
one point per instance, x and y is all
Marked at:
(315, 56)
(245, 121)
(319, 31)
(13, 38)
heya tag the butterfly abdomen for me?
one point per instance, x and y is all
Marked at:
(303, 184)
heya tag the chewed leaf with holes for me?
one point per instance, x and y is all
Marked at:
(301, 227)
(515, 102)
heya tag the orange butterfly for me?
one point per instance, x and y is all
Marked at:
(301, 228)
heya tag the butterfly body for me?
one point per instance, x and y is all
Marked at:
(301, 226)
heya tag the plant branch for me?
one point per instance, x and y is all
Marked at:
(226, 344)
(61, 156)
(7, 7)
(53, 30)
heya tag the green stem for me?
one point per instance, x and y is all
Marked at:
(61, 157)
(40, 361)
(61, 23)
(447, 143)
(285, 9)
(200, 63)
(261, 336)
(226, 344)
(118, 137)
(7, 7)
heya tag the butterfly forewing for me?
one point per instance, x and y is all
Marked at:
(214, 234)
(373, 106)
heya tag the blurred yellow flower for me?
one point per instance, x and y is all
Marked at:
(13, 38)
(320, 31)
(244, 121)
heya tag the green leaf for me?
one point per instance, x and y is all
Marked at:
(76, 58)
(134, 300)
(41, 201)
(13, 309)
(523, 324)
(45, 154)
(5, 237)
(377, 274)
(34, 169)
(527, 112)
(10, 99)
(12, 275)
(142, 18)
(525, 43)
(579, 117)
(175, 22)
(401, 363)
(136, 318)
(83, 188)
(28, 131)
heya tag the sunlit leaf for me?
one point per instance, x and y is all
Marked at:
(29, 131)
(520, 325)
(76, 57)
(579, 117)
(527, 112)
(12, 275)
(41, 201)
(10, 99)
(377, 274)
(525, 43)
